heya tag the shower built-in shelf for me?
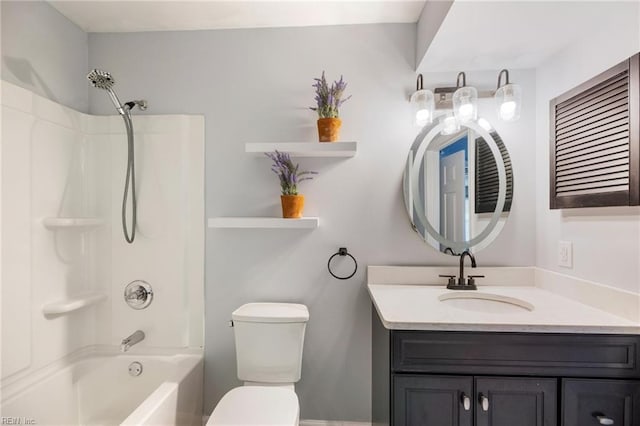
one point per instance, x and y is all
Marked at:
(77, 223)
(305, 149)
(264, 222)
(72, 304)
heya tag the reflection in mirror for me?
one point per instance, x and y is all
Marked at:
(458, 187)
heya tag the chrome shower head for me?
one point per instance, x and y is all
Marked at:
(101, 79)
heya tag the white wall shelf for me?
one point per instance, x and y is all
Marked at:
(264, 222)
(72, 304)
(305, 149)
(78, 223)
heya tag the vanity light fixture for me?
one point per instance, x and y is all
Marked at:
(465, 100)
(508, 98)
(422, 102)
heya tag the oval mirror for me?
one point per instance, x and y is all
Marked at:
(458, 187)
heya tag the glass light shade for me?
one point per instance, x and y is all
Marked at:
(508, 102)
(423, 104)
(465, 104)
(450, 124)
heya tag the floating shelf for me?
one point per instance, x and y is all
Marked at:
(79, 223)
(264, 222)
(73, 304)
(305, 149)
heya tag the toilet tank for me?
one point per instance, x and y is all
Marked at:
(269, 339)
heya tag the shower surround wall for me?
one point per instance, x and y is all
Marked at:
(59, 163)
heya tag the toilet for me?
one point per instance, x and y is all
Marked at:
(269, 339)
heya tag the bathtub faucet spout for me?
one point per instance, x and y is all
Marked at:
(127, 342)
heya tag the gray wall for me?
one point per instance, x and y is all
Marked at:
(255, 86)
(45, 52)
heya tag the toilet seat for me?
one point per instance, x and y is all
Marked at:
(256, 406)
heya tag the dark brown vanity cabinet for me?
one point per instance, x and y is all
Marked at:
(434, 378)
(466, 401)
(600, 402)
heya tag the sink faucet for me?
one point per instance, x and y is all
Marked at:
(127, 342)
(473, 265)
(470, 284)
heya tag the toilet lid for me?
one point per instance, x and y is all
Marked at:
(256, 405)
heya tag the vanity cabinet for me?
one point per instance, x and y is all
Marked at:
(460, 378)
(452, 401)
(432, 400)
(600, 402)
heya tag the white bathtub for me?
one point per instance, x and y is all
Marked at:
(94, 387)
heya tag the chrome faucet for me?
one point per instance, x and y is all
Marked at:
(127, 342)
(470, 284)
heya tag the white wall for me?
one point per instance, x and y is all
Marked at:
(433, 14)
(255, 86)
(44, 52)
(606, 241)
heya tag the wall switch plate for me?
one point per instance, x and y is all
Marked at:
(565, 254)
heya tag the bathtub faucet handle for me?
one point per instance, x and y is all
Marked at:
(138, 294)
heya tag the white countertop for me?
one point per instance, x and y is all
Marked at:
(417, 307)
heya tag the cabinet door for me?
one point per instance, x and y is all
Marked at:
(511, 401)
(432, 400)
(589, 402)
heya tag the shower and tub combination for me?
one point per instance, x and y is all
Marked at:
(74, 352)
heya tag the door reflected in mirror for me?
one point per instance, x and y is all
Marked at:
(458, 187)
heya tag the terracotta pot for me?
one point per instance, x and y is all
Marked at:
(292, 206)
(329, 129)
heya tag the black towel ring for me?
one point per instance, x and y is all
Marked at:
(342, 251)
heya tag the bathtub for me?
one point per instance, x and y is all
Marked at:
(94, 387)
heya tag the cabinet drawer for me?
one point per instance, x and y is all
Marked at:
(568, 355)
(589, 402)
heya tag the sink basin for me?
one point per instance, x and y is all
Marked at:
(485, 302)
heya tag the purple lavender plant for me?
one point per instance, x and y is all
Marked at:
(329, 99)
(287, 172)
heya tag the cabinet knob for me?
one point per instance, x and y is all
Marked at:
(484, 402)
(604, 420)
(466, 402)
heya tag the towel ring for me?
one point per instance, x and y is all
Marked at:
(342, 251)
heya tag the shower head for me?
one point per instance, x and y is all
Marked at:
(103, 80)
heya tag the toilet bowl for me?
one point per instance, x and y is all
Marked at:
(269, 340)
(257, 406)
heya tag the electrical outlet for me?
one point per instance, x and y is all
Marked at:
(565, 254)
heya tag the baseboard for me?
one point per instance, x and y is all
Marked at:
(331, 423)
(315, 422)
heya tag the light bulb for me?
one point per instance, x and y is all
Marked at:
(423, 117)
(508, 110)
(485, 124)
(450, 125)
(508, 102)
(465, 112)
(423, 105)
(465, 104)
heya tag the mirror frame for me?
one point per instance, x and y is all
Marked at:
(416, 202)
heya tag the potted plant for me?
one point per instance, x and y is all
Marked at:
(328, 101)
(290, 176)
